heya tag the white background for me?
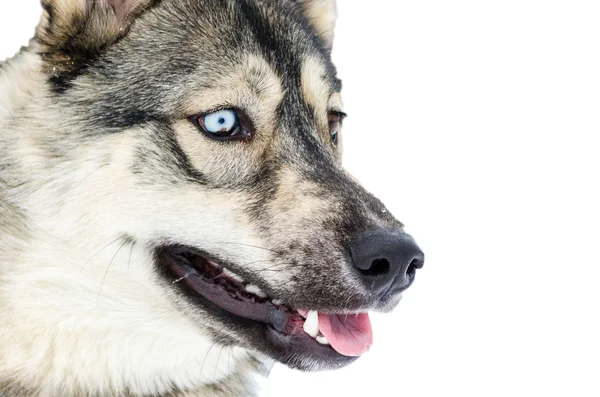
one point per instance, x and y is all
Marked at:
(477, 122)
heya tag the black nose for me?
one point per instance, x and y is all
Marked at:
(387, 261)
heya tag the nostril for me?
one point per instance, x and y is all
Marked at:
(378, 267)
(412, 268)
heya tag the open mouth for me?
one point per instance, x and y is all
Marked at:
(339, 338)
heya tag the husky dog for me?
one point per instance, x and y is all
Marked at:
(174, 215)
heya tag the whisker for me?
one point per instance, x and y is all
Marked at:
(217, 364)
(96, 254)
(275, 268)
(88, 175)
(130, 253)
(108, 268)
(266, 260)
(285, 234)
(247, 245)
(229, 357)
(271, 369)
(204, 362)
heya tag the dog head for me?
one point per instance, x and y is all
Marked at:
(210, 132)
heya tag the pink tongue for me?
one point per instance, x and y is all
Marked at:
(350, 335)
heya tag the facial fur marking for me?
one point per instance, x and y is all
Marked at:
(315, 88)
(180, 167)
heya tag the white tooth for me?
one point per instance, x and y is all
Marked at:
(322, 340)
(232, 275)
(253, 289)
(277, 302)
(311, 325)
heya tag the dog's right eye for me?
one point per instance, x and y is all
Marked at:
(222, 125)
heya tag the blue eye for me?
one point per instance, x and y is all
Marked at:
(221, 122)
(224, 125)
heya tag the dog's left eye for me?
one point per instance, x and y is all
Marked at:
(335, 122)
(222, 125)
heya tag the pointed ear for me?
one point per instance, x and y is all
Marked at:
(98, 21)
(71, 32)
(322, 14)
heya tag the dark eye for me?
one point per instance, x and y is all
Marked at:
(335, 122)
(222, 125)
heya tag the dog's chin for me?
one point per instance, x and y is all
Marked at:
(267, 326)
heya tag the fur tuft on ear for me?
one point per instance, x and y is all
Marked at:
(72, 32)
(322, 14)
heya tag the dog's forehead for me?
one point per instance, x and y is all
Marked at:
(258, 55)
(274, 34)
(252, 81)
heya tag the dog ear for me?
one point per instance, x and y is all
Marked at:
(98, 21)
(322, 14)
(73, 32)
